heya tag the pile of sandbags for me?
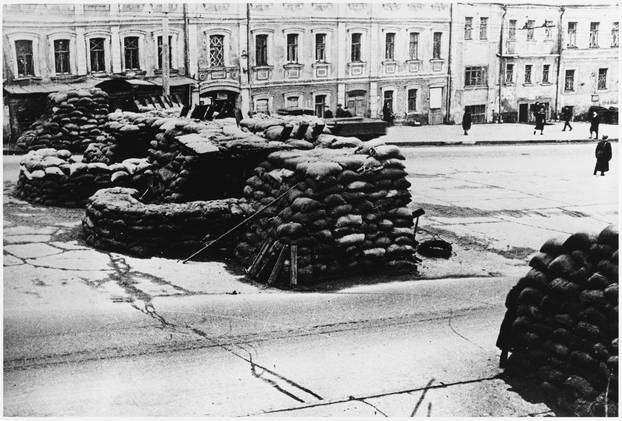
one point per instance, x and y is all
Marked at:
(117, 220)
(76, 119)
(52, 177)
(298, 131)
(564, 322)
(347, 212)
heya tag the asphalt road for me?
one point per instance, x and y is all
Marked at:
(92, 333)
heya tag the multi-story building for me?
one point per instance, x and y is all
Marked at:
(589, 57)
(427, 61)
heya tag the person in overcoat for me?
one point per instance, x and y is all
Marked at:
(603, 156)
(567, 116)
(506, 340)
(595, 121)
(466, 122)
(540, 120)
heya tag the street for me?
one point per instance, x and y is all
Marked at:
(91, 333)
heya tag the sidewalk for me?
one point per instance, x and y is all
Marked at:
(484, 134)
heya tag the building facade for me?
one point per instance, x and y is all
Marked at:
(427, 61)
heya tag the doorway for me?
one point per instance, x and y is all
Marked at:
(523, 113)
(356, 103)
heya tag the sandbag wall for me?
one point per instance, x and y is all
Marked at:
(75, 120)
(347, 213)
(300, 132)
(117, 220)
(52, 177)
(562, 323)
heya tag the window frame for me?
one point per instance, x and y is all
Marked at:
(528, 72)
(483, 28)
(292, 48)
(389, 46)
(468, 27)
(546, 70)
(572, 34)
(594, 29)
(320, 47)
(160, 50)
(411, 101)
(263, 52)
(530, 29)
(213, 47)
(615, 34)
(566, 73)
(356, 58)
(125, 52)
(437, 46)
(31, 63)
(413, 41)
(65, 56)
(512, 30)
(506, 73)
(548, 29)
(475, 76)
(604, 80)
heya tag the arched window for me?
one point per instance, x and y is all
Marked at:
(130, 45)
(61, 56)
(96, 51)
(23, 52)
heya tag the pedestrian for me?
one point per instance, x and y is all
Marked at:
(595, 120)
(346, 112)
(540, 117)
(328, 113)
(466, 122)
(505, 340)
(238, 116)
(603, 156)
(339, 112)
(387, 113)
(567, 116)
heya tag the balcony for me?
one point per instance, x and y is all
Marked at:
(219, 73)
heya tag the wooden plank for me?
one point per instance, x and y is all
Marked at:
(268, 258)
(252, 269)
(277, 266)
(293, 265)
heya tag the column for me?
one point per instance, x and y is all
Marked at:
(373, 99)
(193, 50)
(81, 51)
(115, 48)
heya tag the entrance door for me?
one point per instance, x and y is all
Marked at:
(388, 100)
(320, 103)
(523, 113)
(356, 103)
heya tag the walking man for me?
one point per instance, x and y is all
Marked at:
(567, 115)
(603, 156)
(466, 122)
(540, 117)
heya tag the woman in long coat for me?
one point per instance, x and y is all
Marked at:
(466, 122)
(603, 156)
(540, 116)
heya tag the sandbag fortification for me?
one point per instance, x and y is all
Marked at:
(562, 323)
(75, 119)
(346, 212)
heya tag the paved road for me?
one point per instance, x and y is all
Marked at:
(92, 333)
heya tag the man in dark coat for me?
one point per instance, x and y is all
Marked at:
(603, 156)
(567, 116)
(340, 112)
(466, 122)
(387, 113)
(595, 120)
(328, 113)
(506, 340)
(540, 117)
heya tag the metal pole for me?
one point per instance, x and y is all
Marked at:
(449, 79)
(166, 90)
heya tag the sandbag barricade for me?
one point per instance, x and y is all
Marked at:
(53, 178)
(346, 214)
(562, 323)
(75, 120)
(117, 220)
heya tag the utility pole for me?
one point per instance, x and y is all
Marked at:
(166, 90)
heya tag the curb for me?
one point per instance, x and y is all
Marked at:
(491, 142)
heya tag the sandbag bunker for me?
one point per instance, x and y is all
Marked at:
(562, 323)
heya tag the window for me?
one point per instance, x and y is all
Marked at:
(615, 34)
(261, 51)
(594, 34)
(468, 27)
(569, 80)
(131, 53)
(389, 46)
(170, 52)
(572, 34)
(413, 46)
(436, 51)
(96, 48)
(23, 53)
(478, 112)
(548, 29)
(291, 102)
(545, 73)
(320, 47)
(388, 99)
(320, 105)
(602, 79)
(483, 28)
(475, 76)
(512, 30)
(530, 24)
(509, 73)
(261, 105)
(528, 68)
(61, 56)
(356, 47)
(292, 48)
(217, 50)
(412, 100)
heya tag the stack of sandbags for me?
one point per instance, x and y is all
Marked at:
(564, 321)
(346, 212)
(54, 178)
(75, 120)
(298, 131)
(117, 220)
